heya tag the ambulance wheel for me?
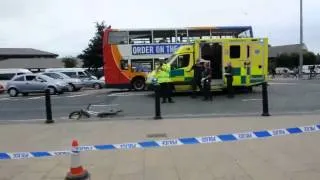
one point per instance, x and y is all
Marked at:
(250, 89)
(138, 84)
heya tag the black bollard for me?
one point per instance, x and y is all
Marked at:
(157, 103)
(265, 104)
(48, 107)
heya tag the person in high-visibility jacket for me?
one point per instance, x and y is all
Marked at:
(163, 78)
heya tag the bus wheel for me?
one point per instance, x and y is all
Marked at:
(138, 84)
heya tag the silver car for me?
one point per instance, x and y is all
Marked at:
(34, 83)
(74, 84)
(93, 83)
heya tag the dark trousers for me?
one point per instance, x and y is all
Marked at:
(207, 90)
(229, 86)
(166, 91)
(195, 84)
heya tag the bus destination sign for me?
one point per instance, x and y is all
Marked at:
(154, 49)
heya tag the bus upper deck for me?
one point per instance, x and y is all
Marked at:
(176, 35)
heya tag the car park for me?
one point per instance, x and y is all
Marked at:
(35, 83)
(73, 72)
(75, 84)
(93, 83)
(7, 74)
(283, 70)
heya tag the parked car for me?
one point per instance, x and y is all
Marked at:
(283, 70)
(75, 84)
(35, 83)
(102, 79)
(93, 83)
(1, 88)
(306, 69)
(7, 74)
(73, 72)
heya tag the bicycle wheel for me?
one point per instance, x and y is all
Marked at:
(75, 115)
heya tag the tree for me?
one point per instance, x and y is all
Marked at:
(292, 60)
(318, 59)
(92, 55)
(69, 62)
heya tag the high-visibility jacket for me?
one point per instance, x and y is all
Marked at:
(163, 74)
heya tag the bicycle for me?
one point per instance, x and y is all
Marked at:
(88, 112)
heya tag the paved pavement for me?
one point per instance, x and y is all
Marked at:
(285, 97)
(293, 157)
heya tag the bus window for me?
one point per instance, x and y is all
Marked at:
(140, 37)
(124, 64)
(164, 36)
(118, 37)
(198, 34)
(182, 36)
(141, 65)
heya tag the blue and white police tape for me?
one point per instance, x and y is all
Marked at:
(167, 143)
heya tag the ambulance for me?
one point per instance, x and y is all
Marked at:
(248, 57)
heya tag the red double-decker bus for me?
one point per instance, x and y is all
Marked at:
(129, 54)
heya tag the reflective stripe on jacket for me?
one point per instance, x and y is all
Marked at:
(163, 74)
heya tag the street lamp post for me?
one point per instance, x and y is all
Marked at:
(301, 40)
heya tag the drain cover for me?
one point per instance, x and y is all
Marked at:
(157, 135)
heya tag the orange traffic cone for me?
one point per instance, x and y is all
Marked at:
(77, 172)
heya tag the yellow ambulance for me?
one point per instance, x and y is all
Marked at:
(248, 57)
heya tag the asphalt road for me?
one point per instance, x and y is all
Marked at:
(285, 97)
(33, 107)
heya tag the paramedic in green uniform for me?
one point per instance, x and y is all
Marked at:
(229, 77)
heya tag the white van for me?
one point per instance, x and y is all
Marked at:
(306, 68)
(7, 74)
(283, 70)
(72, 72)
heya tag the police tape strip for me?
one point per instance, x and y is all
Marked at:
(166, 143)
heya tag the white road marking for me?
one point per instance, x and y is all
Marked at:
(78, 95)
(281, 83)
(52, 96)
(4, 99)
(10, 99)
(23, 120)
(245, 100)
(36, 97)
(128, 94)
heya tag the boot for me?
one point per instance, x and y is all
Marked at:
(170, 100)
(164, 100)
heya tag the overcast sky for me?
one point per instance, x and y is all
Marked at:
(65, 26)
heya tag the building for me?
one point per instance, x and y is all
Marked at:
(29, 58)
(275, 51)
